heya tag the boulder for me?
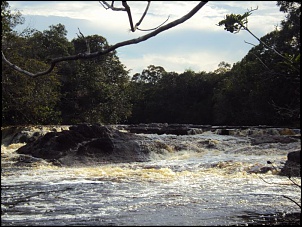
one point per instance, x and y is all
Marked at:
(292, 166)
(27, 133)
(86, 144)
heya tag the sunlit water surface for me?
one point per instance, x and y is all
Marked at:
(209, 187)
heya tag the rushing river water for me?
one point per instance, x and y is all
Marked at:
(214, 186)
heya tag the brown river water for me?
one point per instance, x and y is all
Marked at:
(214, 186)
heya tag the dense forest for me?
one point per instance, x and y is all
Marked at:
(261, 89)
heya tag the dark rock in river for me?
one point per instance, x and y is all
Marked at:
(255, 140)
(26, 134)
(159, 128)
(292, 166)
(84, 144)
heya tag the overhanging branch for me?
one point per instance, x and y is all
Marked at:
(144, 14)
(110, 48)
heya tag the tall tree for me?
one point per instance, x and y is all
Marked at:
(9, 19)
(25, 101)
(95, 90)
(274, 94)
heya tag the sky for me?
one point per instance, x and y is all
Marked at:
(197, 44)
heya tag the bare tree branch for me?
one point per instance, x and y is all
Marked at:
(86, 41)
(110, 48)
(287, 184)
(17, 68)
(251, 10)
(234, 23)
(250, 43)
(107, 6)
(144, 14)
(289, 177)
(268, 47)
(128, 10)
(124, 3)
(261, 61)
(154, 28)
(285, 111)
(273, 49)
(294, 182)
(299, 205)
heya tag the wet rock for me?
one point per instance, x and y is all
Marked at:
(26, 134)
(292, 166)
(255, 140)
(195, 131)
(97, 146)
(190, 129)
(294, 156)
(159, 128)
(208, 143)
(86, 143)
(287, 131)
(260, 169)
(15, 134)
(29, 161)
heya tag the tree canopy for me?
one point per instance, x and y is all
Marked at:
(261, 89)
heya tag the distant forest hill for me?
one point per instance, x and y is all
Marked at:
(262, 89)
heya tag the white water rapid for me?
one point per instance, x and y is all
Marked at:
(216, 184)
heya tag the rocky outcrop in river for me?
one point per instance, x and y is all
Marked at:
(292, 166)
(86, 144)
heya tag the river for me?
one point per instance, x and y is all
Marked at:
(213, 186)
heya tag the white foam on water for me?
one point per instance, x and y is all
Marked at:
(192, 185)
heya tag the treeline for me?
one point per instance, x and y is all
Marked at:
(262, 89)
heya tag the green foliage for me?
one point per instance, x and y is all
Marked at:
(293, 14)
(174, 98)
(265, 85)
(263, 88)
(24, 100)
(82, 91)
(235, 22)
(28, 101)
(9, 20)
(95, 90)
(223, 67)
(49, 44)
(150, 75)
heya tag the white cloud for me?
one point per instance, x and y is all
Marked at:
(178, 62)
(205, 19)
(197, 44)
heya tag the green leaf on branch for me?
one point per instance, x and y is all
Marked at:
(235, 22)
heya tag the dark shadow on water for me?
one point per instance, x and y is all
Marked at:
(253, 219)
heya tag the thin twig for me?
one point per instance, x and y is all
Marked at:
(107, 6)
(292, 200)
(270, 48)
(261, 61)
(250, 43)
(86, 41)
(154, 28)
(144, 14)
(295, 183)
(271, 182)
